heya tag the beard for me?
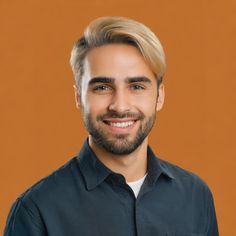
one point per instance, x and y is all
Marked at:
(119, 144)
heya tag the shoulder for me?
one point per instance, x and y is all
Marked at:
(55, 184)
(27, 211)
(185, 179)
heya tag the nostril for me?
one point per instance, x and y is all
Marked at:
(119, 106)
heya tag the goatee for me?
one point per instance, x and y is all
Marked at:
(119, 144)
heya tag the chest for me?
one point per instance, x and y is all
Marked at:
(114, 210)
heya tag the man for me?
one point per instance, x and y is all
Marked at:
(116, 186)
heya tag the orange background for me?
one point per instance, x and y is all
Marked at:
(41, 128)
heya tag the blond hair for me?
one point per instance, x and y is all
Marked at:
(108, 30)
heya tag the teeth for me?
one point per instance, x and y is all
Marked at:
(121, 124)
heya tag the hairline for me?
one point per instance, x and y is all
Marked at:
(88, 49)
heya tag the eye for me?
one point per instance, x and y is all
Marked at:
(102, 89)
(137, 87)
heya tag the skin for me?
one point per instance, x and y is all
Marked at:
(118, 80)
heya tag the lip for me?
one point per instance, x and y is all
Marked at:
(118, 120)
(118, 128)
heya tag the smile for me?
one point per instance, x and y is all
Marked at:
(121, 124)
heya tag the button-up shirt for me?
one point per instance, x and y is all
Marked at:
(85, 198)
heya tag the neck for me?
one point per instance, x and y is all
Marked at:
(132, 166)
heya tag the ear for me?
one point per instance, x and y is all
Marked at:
(161, 97)
(77, 97)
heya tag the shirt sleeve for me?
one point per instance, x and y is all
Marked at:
(24, 221)
(212, 229)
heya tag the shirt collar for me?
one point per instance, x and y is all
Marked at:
(95, 172)
(157, 167)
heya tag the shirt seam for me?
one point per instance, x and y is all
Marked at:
(31, 215)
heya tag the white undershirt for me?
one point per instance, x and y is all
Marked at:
(136, 185)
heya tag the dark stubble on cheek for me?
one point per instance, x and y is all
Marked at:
(120, 143)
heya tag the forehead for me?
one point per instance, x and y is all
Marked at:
(116, 61)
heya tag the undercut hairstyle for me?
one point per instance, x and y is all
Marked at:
(121, 30)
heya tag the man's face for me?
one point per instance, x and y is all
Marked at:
(119, 98)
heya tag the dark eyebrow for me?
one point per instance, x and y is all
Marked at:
(128, 80)
(138, 79)
(106, 80)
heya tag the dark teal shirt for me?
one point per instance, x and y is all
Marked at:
(85, 198)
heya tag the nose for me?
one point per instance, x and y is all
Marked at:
(120, 101)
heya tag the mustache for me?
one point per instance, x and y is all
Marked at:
(120, 115)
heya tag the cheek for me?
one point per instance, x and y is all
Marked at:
(148, 109)
(146, 104)
(96, 104)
